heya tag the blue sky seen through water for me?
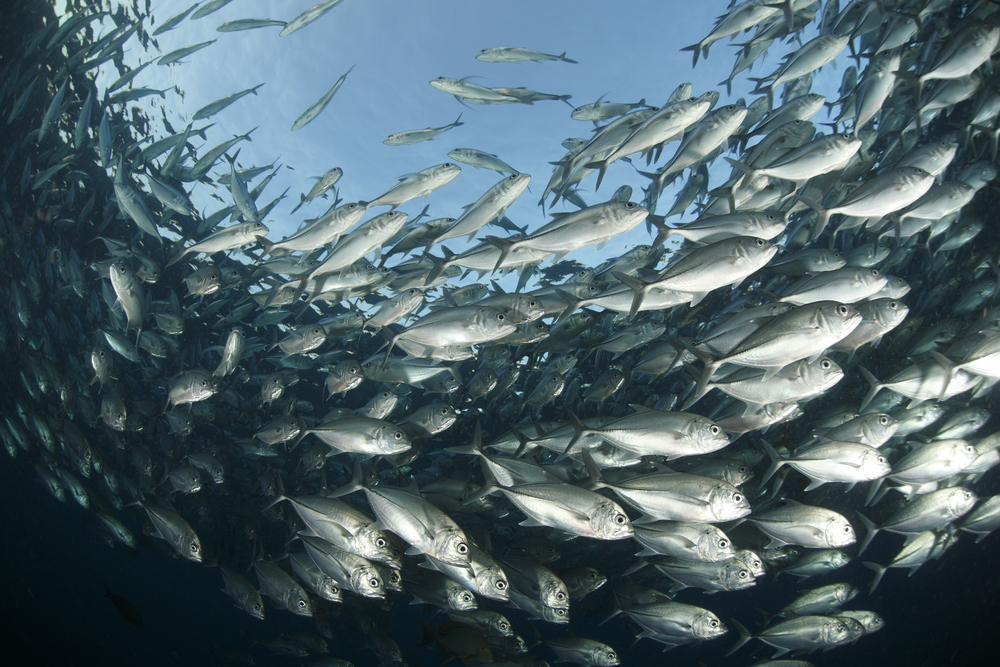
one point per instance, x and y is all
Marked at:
(626, 50)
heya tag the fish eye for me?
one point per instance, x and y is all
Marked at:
(743, 574)
(398, 435)
(826, 365)
(847, 529)
(723, 544)
(715, 430)
(193, 548)
(760, 243)
(380, 542)
(256, 606)
(532, 304)
(120, 416)
(462, 548)
(444, 411)
(373, 582)
(302, 604)
(883, 420)
(204, 383)
(501, 585)
(842, 310)
(714, 624)
(881, 460)
(875, 272)
(561, 612)
(448, 164)
(620, 519)
(629, 205)
(500, 317)
(612, 656)
(738, 498)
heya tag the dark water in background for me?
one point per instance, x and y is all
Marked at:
(55, 567)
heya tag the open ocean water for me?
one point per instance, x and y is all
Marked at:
(57, 555)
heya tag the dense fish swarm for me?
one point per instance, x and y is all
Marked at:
(340, 430)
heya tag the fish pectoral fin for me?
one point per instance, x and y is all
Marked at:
(532, 523)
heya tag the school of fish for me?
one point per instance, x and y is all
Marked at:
(809, 364)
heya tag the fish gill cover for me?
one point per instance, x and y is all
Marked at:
(296, 377)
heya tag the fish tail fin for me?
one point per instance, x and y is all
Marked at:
(696, 48)
(873, 382)
(491, 486)
(912, 78)
(638, 565)
(949, 367)
(430, 634)
(391, 339)
(776, 462)
(870, 531)
(711, 365)
(475, 447)
(439, 265)
(873, 492)
(879, 571)
(523, 441)
(562, 57)
(824, 215)
(763, 614)
(355, 484)
(274, 502)
(573, 304)
(505, 247)
(663, 231)
(745, 636)
(536, 637)
(176, 258)
(596, 480)
(602, 168)
(579, 430)
(614, 612)
(638, 286)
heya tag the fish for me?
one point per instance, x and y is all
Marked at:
(177, 55)
(516, 54)
(249, 24)
(215, 107)
(416, 136)
(308, 16)
(126, 609)
(309, 115)
(208, 8)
